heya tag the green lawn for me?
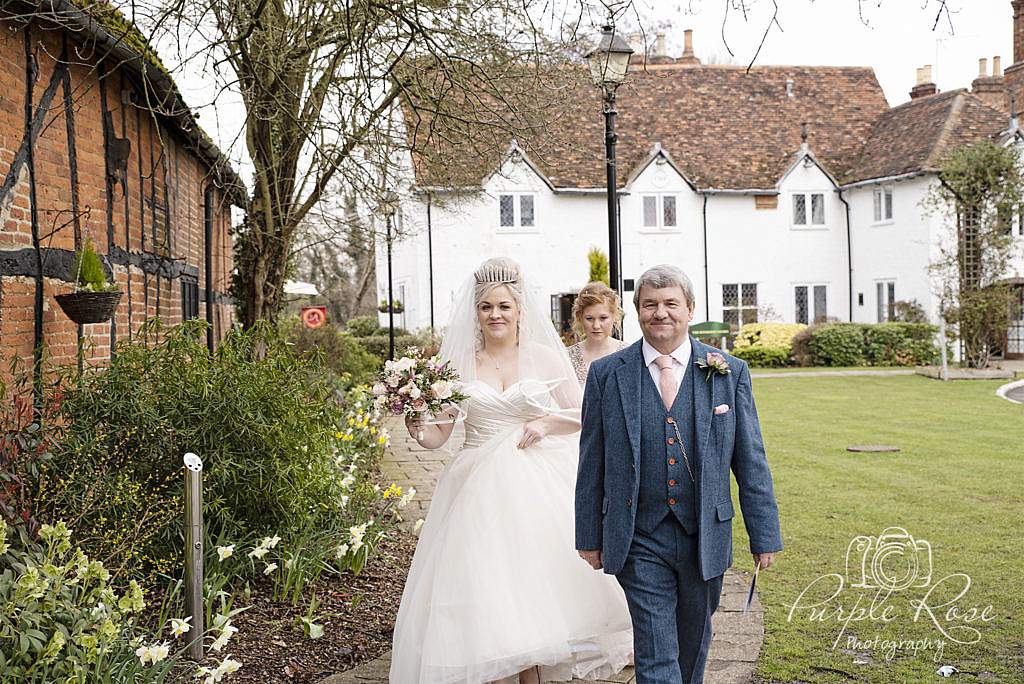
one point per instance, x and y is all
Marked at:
(958, 483)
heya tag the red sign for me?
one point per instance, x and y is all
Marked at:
(314, 316)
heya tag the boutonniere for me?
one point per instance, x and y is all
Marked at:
(714, 363)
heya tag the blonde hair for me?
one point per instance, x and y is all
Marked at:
(590, 295)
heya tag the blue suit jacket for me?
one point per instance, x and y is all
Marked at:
(607, 482)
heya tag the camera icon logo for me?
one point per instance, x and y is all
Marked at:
(893, 560)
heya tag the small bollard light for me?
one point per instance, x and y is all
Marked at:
(194, 553)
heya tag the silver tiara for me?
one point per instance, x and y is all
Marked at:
(494, 273)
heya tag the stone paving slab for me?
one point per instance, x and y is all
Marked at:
(737, 636)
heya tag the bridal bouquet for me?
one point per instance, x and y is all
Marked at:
(414, 385)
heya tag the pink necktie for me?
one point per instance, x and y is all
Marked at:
(667, 381)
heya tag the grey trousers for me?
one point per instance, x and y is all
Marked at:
(670, 605)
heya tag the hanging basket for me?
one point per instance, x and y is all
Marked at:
(89, 307)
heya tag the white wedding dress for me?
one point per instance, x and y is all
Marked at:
(496, 586)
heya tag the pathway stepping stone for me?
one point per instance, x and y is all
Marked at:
(737, 635)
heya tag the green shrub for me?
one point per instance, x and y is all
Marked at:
(900, 344)
(838, 344)
(363, 326)
(378, 344)
(872, 344)
(762, 356)
(264, 421)
(766, 344)
(339, 351)
(63, 622)
(89, 269)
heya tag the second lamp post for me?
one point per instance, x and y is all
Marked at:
(609, 63)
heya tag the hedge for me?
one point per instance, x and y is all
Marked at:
(766, 344)
(866, 344)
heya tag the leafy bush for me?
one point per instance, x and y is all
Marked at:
(27, 436)
(64, 622)
(378, 344)
(766, 344)
(265, 422)
(900, 344)
(363, 326)
(339, 351)
(763, 356)
(856, 344)
(838, 344)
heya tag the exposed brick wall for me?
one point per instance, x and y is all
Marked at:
(158, 211)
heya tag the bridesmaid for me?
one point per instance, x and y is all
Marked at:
(596, 315)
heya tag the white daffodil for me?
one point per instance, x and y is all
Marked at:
(289, 563)
(259, 552)
(179, 627)
(271, 567)
(357, 533)
(416, 527)
(341, 551)
(229, 666)
(159, 652)
(142, 652)
(270, 542)
(224, 552)
(407, 497)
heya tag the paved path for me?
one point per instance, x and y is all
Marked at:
(737, 638)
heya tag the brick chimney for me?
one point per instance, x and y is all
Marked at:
(990, 88)
(924, 86)
(1013, 78)
(688, 57)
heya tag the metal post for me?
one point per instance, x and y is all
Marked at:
(391, 297)
(942, 345)
(194, 553)
(613, 218)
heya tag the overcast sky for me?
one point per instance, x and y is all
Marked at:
(899, 36)
(894, 38)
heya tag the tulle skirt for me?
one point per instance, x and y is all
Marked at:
(496, 585)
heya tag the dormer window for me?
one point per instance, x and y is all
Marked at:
(808, 209)
(516, 211)
(659, 211)
(883, 205)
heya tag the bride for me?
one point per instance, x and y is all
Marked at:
(496, 588)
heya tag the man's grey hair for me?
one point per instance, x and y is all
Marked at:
(661, 276)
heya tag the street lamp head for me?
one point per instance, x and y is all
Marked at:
(609, 61)
(389, 203)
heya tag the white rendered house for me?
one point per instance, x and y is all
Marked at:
(785, 193)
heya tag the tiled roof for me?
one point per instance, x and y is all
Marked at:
(725, 127)
(914, 136)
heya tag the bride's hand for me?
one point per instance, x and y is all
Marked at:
(415, 424)
(533, 432)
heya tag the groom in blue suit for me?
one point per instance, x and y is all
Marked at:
(661, 432)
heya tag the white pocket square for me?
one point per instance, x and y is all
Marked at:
(721, 408)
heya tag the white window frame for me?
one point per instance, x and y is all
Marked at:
(878, 205)
(659, 211)
(811, 313)
(808, 210)
(517, 209)
(887, 308)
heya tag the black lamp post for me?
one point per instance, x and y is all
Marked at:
(609, 63)
(389, 205)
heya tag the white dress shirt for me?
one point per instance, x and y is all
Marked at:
(680, 361)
